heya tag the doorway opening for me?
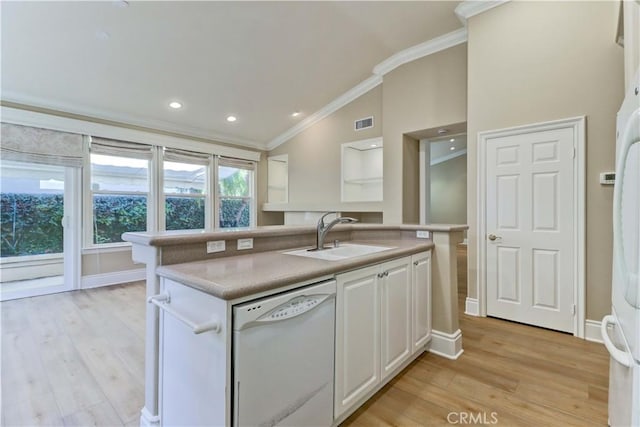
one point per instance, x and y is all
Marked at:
(447, 180)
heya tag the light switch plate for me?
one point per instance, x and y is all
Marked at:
(245, 244)
(422, 234)
(216, 246)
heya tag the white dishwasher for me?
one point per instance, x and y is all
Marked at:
(283, 350)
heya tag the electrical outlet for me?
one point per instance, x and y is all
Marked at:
(216, 246)
(245, 244)
(422, 234)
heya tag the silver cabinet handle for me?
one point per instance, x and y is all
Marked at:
(162, 301)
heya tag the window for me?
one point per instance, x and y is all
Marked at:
(135, 188)
(119, 189)
(235, 193)
(185, 190)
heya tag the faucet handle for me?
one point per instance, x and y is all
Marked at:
(321, 220)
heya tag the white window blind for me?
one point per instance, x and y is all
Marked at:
(237, 163)
(112, 147)
(184, 156)
(41, 146)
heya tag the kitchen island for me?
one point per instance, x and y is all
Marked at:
(200, 289)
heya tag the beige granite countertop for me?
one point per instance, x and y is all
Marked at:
(243, 275)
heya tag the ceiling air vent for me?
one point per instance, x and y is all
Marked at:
(365, 123)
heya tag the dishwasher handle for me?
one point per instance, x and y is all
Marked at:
(622, 357)
(162, 301)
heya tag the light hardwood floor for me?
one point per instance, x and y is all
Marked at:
(77, 359)
(74, 358)
(514, 374)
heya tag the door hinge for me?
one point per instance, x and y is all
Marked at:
(574, 152)
(573, 310)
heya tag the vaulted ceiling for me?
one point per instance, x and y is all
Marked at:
(258, 61)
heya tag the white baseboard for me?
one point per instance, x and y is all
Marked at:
(592, 331)
(115, 278)
(471, 307)
(446, 345)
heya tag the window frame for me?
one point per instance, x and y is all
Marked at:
(156, 197)
(207, 196)
(252, 194)
(88, 229)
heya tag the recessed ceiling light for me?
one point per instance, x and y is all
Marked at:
(452, 148)
(121, 3)
(452, 140)
(295, 114)
(442, 131)
(232, 118)
(374, 145)
(175, 105)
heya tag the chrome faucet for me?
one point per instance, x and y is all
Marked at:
(323, 228)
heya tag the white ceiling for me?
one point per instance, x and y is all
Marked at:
(259, 61)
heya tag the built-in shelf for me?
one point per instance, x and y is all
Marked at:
(362, 171)
(362, 181)
(278, 179)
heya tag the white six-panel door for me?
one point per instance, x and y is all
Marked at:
(529, 228)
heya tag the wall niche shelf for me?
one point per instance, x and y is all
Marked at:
(278, 179)
(362, 171)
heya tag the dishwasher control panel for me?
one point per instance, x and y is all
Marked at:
(283, 306)
(292, 308)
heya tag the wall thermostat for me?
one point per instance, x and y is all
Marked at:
(608, 178)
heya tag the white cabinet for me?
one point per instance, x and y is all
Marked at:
(383, 321)
(395, 314)
(421, 291)
(357, 336)
(379, 325)
(193, 366)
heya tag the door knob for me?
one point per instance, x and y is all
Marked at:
(493, 237)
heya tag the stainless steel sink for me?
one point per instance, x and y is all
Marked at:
(344, 251)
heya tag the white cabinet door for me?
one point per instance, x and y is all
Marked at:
(192, 366)
(357, 336)
(395, 315)
(421, 293)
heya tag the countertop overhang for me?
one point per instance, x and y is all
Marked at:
(240, 276)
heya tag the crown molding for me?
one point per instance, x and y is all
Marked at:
(331, 107)
(421, 50)
(101, 115)
(429, 47)
(78, 125)
(469, 8)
